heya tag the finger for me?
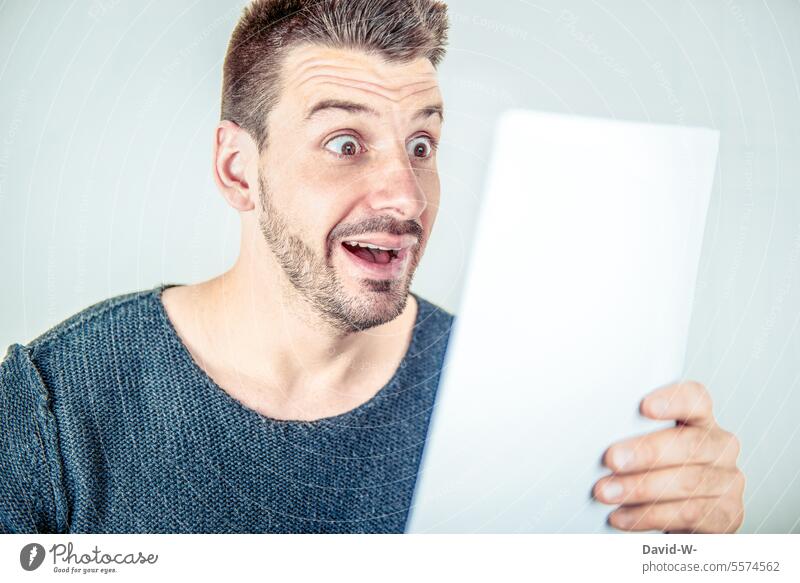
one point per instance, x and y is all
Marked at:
(688, 402)
(674, 446)
(707, 515)
(670, 484)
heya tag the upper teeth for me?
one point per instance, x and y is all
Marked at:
(371, 246)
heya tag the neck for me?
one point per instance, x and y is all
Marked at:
(258, 336)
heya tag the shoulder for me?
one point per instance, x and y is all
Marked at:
(32, 496)
(55, 390)
(99, 321)
(115, 330)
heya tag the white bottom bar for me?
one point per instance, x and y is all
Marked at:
(526, 557)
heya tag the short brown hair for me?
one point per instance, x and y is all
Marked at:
(398, 30)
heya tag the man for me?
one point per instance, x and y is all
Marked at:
(293, 392)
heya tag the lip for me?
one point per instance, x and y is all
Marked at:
(391, 270)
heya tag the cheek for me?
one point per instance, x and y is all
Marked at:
(312, 196)
(318, 217)
(308, 200)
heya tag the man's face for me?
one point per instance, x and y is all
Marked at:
(348, 182)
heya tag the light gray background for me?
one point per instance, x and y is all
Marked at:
(106, 115)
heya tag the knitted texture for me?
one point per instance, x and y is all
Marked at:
(108, 425)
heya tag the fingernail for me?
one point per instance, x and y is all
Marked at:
(658, 406)
(612, 490)
(621, 519)
(622, 458)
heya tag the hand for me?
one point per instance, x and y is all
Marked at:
(680, 479)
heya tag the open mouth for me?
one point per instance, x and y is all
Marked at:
(372, 253)
(379, 256)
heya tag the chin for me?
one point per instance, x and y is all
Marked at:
(363, 295)
(369, 303)
(377, 302)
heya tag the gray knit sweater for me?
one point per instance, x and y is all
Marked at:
(108, 425)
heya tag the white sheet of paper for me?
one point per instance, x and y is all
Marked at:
(577, 304)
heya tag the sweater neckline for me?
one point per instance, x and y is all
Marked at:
(341, 419)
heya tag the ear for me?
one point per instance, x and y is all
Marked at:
(236, 165)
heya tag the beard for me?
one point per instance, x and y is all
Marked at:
(316, 280)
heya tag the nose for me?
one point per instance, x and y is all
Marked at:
(395, 186)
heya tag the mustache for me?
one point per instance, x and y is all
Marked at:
(379, 224)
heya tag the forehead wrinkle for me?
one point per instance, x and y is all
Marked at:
(370, 89)
(418, 111)
(305, 73)
(413, 93)
(308, 69)
(404, 91)
(315, 62)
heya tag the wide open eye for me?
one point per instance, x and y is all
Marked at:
(420, 147)
(344, 145)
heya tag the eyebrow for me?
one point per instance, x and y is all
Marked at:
(360, 108)
(435, 109)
